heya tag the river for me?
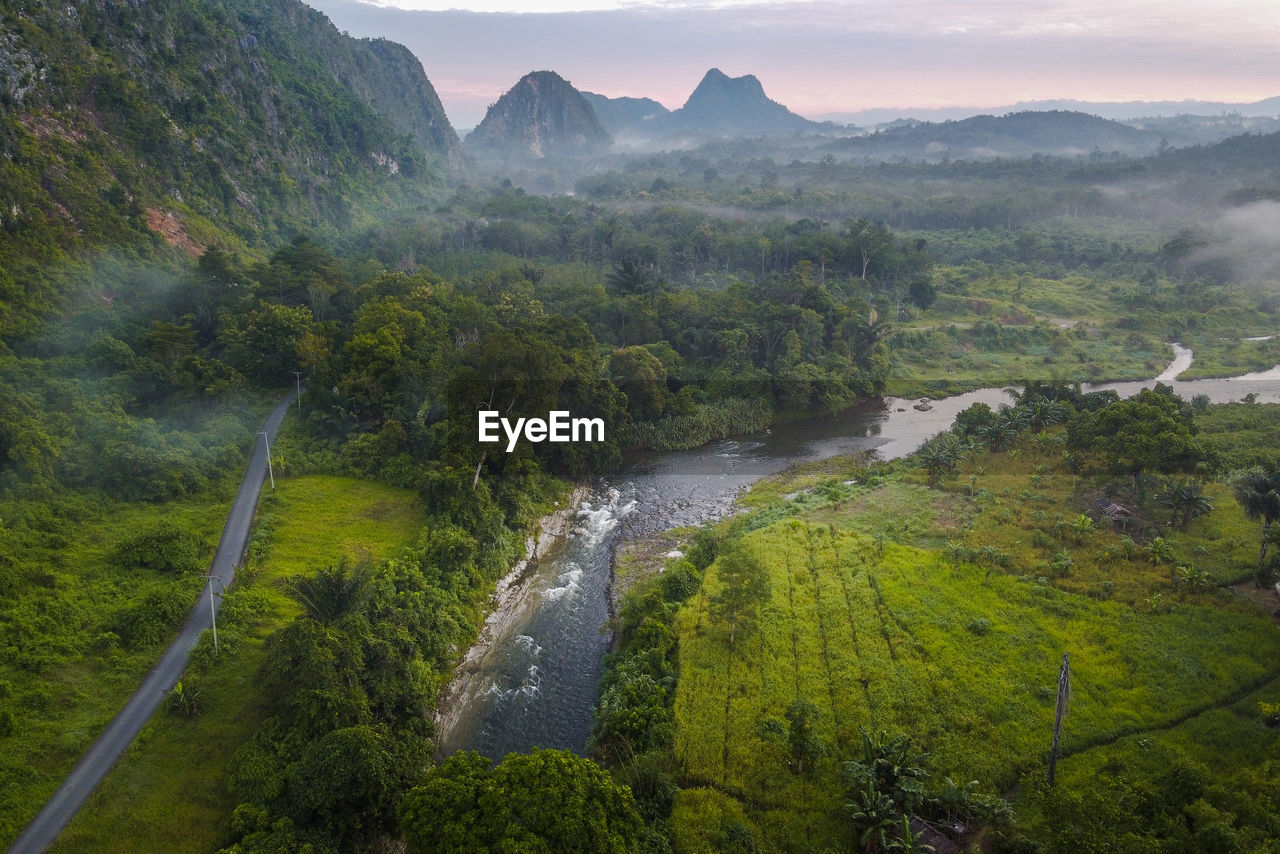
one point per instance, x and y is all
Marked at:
(535, 682)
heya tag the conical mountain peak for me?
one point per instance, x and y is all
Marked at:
(541, 116)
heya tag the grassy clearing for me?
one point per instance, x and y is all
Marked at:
(1024, 507)
(169, 792)
(1218, 356)
(949, 358)
(1193, 778)
(985, 330)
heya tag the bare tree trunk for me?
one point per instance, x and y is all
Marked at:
(1064, 695)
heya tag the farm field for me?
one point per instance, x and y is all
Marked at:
(902, 640)
(943, 614)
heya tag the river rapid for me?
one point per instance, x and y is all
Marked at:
(532, 682)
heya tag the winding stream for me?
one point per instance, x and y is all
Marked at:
(535, 684)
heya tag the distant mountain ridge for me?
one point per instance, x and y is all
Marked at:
(625, 116)
(542, 116)
(1057, 132)
(1115, 110)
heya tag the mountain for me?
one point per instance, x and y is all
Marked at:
(1117, 110)
(625, 116)
(192, 122)
(542, 116)
(732, 106)
(1055, 132)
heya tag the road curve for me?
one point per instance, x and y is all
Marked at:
(94, 765)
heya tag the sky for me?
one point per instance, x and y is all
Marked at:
(826, 58)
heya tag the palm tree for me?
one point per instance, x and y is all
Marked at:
(1159, 551)
(1258, 492)
(1000, 435)
(332, 593)
(939, 457)
(866, 335)
(1186, 498)
(631, 276)
(1043, 413)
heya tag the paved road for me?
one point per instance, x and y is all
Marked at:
(95, 764)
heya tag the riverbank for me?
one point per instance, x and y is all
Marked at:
(509, 601)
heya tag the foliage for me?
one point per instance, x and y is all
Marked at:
(1185, 498)
(316, 518)
(806, 749)
(1258, 493)
(742, 585)
(939, 456)
(891, 626)
(549, 800)
(167, 548)
(1151, 430)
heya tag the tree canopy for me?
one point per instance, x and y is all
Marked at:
(548, 801)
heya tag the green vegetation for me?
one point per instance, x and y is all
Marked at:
(151, 802)
(170, 255)
(892, 605)
(114, 139)
(80, 626)
(547, 801)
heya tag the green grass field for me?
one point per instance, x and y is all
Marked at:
(1216, 356)
(169, 792)
(898, 638)
(940, 613)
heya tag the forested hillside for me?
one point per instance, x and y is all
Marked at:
(133, 126)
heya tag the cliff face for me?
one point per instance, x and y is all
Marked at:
(383, 74)
(244, 118)
(542, 116)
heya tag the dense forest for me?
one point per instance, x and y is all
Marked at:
(834, 667)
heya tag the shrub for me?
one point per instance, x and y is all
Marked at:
(167, 548)
(152, 618)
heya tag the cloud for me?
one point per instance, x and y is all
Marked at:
(841, 55)
(1250, 238)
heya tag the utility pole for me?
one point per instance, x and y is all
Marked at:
(297, 375)
(267, 443)
(1064, 696)
(213, 613)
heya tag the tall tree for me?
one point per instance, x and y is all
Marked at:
(1150, 431)
(744, 585)
(1258, 492)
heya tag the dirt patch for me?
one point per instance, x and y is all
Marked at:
(947, 513)
(47, 126)
(1264, 597)
(170, 228)
(378, 511)
(638, 559)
